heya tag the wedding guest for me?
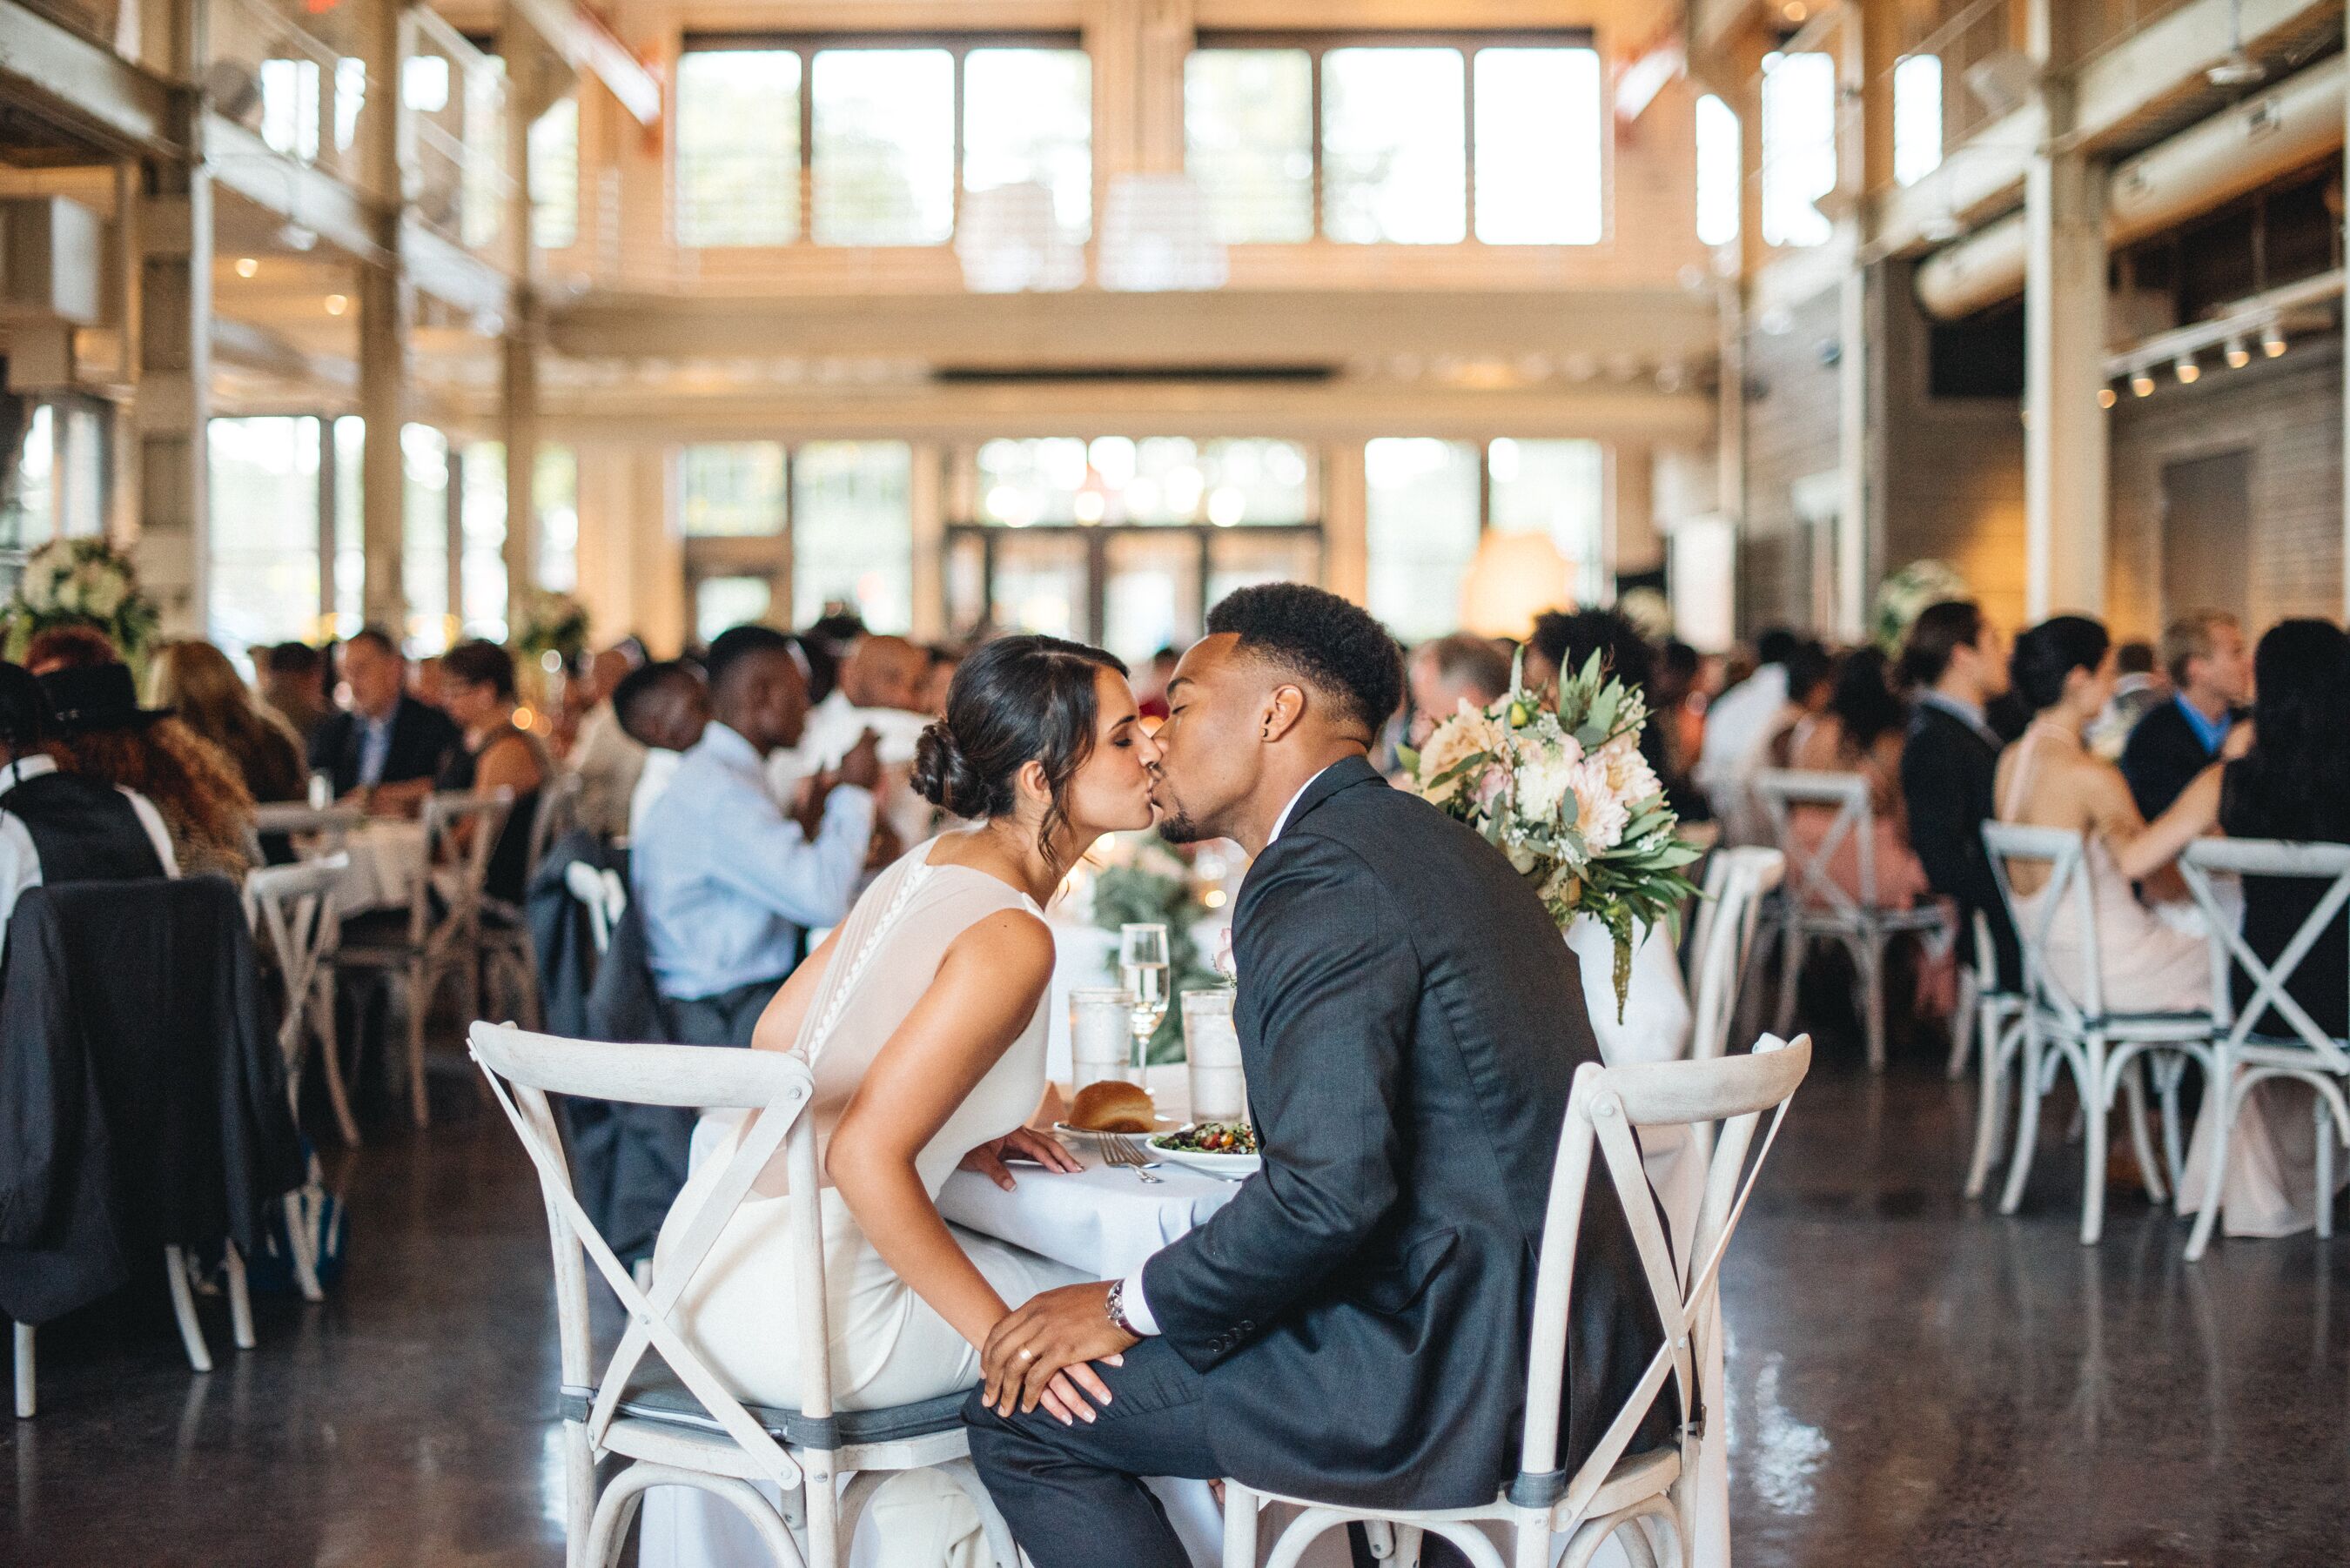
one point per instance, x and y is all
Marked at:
(1676, 702)
(2065, 668)
(478, 678)
(69, 646)
(2206, 660)
(1565, 640)
(945, 660)
(2140, 687)
(1811, 681)
(384, 751)
(2290, 779)
(1860, 730)
(58, 826)
(880, 692)
(98, 729)
(1956, 664)
(294, 687)
(728, 880)
(607, 760)
(1738, 729)
(664, 708)
(424, 682)
(1150, 690)
(1447, 671)
(196, 681)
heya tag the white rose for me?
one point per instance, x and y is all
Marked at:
(1543, 784)
(105, 596)
(68, 593)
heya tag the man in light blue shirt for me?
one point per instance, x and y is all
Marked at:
(728, 877)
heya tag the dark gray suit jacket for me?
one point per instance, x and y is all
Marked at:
(1411, 1020)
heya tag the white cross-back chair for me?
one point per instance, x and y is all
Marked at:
(183, 1310)
(1998, 1019)
(318, 831)
(441, 938)
(2246, 1057)
(1815, 907)
(2068, 1024)
(603, 893)
(1737, 883)
(293, 910)
(673, 1420)
(1610, 1489)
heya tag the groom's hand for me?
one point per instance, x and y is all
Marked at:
(1021, 1143)
(1059, 1331)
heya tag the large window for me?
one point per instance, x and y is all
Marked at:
(783, 534)
(1799, 151)
(554, 177)
(264, 532)
(1155, 479)
(874, 134)
(555, 493)
(1390, 134)
(424, 553)
(1917, 117)
(1720, 172)
(1429, 502)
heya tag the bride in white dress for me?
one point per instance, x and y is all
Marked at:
(921, 1017)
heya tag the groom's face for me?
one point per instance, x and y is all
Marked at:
(1208, 746)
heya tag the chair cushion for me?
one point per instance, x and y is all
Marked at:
(656, 1394)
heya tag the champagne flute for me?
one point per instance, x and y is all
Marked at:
(1142, 961)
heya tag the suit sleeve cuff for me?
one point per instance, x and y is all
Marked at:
(1136, 1306)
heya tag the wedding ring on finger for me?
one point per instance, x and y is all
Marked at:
(1027, 1355)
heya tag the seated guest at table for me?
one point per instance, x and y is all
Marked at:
(57, 826)
(928, 1050)
(880, 692)
(2064, 669)
(1861, 731)
(728, 878)
(98, 729)
(384, 751)
(1446, 672)
(2288, 779)
(1954, 663)
(1811, 681)
(2177, 739)
(2141, 686)
(196, 681)
(1737, 728)
(602, 753)
(478, 679)
(664, 708)
(945, 660)
(294, 687)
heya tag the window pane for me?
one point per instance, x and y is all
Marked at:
(424, 541)
(1394, 149)
(1248, 138)
(884, 156)
(289, 109)
(81, 510)
(1024, 482)
(730, 489)
(853, 531)
(264, 532)
(722, 602)
(1557, 488)
(554, 177)
(1539, 151)
(482, 528)
(33, 521)
(738, 146)
(350, 523)
(555, 493)
(1799, 161)
(1719, 172)
(1027, 117)
(1423, 517)
(1917, 117)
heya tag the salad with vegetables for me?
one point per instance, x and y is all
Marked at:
(1211, 1137)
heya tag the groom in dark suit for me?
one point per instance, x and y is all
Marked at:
(1352, 1326)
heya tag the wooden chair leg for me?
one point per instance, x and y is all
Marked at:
(1871, 946)
(240, 1301)
(2027, 1125)
(183, 1307)
(2325, 1171)
(420, 1003)
(2220, 1101)
(328, 1034)
(1790, 968)
(25, 1404)
(297, 1240)
(2098, 1120)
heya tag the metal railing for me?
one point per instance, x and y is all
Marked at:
(293, 77)
(453, 100)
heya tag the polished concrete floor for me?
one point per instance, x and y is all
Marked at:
(1914, 1381)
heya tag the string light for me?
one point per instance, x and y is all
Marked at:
(2142, 381)
(2272, 340)
(2106, 398)
(337, 304)
(2238, 355)
(246, 266)
(2188, 371)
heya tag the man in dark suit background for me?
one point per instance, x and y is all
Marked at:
(1353, 1325)
(2211, 677)
(384, 749)
(1956, 662)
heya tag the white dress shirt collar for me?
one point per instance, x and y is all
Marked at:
(1281, 822)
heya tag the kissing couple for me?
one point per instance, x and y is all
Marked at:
(1352, 1326)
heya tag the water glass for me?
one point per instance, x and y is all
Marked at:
(1211, 1047)
(1101, 1020)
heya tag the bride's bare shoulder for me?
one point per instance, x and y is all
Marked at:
(1012, 941)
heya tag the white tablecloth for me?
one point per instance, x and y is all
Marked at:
(387, 856)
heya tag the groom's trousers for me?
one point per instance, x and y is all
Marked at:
(1074, 1495)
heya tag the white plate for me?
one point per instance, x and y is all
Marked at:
(1163, 1124)
(1231, 1166)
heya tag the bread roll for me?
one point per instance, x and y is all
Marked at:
(1114, 1106)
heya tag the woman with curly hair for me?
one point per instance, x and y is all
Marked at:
(195, 681)
(100, 732)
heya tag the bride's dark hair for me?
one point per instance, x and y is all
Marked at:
(1017, 700)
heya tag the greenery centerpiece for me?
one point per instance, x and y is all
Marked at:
(81, 582)
(1902, 597)
(1147, 882)
(552, 623)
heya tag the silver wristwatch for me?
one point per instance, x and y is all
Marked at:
(1116, 1307)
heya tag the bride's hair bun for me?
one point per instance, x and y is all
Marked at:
(944, 776)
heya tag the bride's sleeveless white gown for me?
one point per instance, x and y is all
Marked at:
(888, 1348)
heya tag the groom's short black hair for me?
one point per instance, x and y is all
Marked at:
(1336, 647)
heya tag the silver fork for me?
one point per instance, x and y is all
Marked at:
(1118, 1151)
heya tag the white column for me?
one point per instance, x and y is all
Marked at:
(174, 332)
(386, 308)
(2065, 457)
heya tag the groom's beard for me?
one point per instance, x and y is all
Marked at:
(1177, 827)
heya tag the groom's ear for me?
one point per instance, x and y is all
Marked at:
(1283, 707)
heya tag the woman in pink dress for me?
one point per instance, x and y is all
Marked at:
(1860, 732)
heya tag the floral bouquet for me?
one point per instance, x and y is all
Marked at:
(1908, 593)
(553, 623)
(81, 582)
(1567, 796)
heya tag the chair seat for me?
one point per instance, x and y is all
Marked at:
(656, 1395)
(1866, 918)
(2164, 1026)
(1635, 1477)
(380, 936)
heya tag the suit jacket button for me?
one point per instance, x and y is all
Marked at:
(1247, 1327)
